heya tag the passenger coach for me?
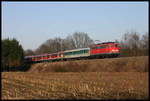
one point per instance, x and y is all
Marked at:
(77, 53)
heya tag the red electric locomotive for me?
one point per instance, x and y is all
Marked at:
(105, 49)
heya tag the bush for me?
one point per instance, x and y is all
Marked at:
(12, 55)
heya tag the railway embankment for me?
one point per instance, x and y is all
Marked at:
(122, 64)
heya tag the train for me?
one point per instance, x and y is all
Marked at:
(100, 50)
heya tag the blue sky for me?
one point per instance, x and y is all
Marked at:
(32, 23)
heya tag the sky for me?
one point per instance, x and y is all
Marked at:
(32, 23)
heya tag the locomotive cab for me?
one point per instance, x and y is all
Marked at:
(114, 49)
(106, 49)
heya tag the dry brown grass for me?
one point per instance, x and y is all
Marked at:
(70, 85)
(128, 64)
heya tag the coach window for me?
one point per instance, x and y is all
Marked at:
(70, 53)
(103, 46)
(86, 51)
(111, 45)
(82, 51)
(117, 45)
(67, 53)
(99, 47)
(77, 52)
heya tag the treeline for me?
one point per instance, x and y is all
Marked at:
(12, 55)
(132, 44)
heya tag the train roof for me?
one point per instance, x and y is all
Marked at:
(42, 54)
(76, 49)
(106, 42)
(58, 52)
(103, 43)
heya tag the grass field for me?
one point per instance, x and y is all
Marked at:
(75, 85)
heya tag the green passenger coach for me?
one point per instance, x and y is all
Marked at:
(82, 52)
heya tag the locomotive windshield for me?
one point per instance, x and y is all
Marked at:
(117, 45)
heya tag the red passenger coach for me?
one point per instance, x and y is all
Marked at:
(57, 56)
(106, 49)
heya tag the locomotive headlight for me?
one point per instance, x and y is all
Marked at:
(114, 50)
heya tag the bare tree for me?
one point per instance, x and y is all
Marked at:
(145, 43)
(133, 45)
(81, 40)
(69, 43)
